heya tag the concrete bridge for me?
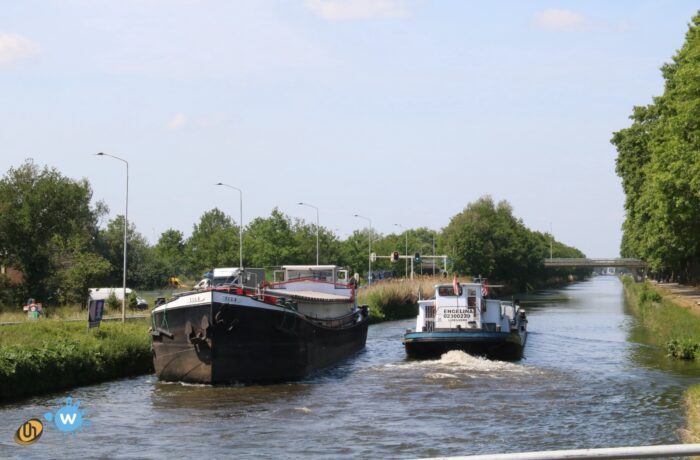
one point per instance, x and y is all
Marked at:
(593, 263)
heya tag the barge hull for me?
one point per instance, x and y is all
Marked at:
(237, 343)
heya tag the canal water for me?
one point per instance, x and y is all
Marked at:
(586, 381)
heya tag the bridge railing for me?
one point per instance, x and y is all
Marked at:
(585, 262)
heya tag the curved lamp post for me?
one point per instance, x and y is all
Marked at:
(240, 225)
(317, 226)
(369, 273)
(126, 223)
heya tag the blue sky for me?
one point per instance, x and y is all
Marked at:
(400, 110)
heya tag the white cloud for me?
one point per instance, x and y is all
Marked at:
(560, 20)
(15, 48)
(177, 122)
(345, 10)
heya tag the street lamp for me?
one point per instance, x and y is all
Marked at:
(369, 273)
(433, 253)
(126, 223)
(240, 227)
(317, 226)
(405, 230)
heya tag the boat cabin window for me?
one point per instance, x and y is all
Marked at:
(471, 297)
(323, 275)
(446, 291)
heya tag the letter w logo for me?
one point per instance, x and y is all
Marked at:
(68, 418)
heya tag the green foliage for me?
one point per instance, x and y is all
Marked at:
(486, 239)
(672, 325)
(46, 222)
(214, 243)
(48, 356)
(144, 270)
(112, 302)
(170, 252)
(131, 300)
(659, 165)
(648, 295)
(270, 241)
(683, 349)
(82, 270)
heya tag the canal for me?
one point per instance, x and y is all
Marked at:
(588, 380)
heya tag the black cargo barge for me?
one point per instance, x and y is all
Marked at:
(242, 334)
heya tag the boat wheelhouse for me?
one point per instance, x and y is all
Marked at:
(460, 317)
(236, 328)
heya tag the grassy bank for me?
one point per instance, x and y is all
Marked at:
(43, 356)
(674, 326)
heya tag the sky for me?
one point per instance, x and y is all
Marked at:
(403, 111)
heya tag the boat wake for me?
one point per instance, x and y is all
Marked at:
(456, 363)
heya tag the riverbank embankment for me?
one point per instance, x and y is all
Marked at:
(48, 355)
(55, 354)
(673, 317)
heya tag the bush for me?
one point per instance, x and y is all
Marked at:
(648, 295)
(132, 301)
(52, 355)
(112, 302)
(683, 349)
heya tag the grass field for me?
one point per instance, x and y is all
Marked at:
(42, 356)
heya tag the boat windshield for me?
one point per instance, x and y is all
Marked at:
(225, 281)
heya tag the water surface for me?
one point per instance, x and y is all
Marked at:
(586, 381)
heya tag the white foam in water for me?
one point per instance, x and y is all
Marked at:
(461, 360)
(304, 410)
(456, 361)
(440, 375)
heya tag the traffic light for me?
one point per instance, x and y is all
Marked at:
(395, 256)
(417, 257)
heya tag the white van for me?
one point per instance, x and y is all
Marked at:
(105, 292)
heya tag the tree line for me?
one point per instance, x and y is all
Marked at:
(51, 232)
(659, 163)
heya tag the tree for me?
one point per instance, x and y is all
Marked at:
(143, 269)
(354, 251)
(271, 241)
(486, 239)
(213, 243)
(170, 252)
(659, 164)
(42, 213)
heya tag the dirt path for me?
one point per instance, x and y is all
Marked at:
(688, 296)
